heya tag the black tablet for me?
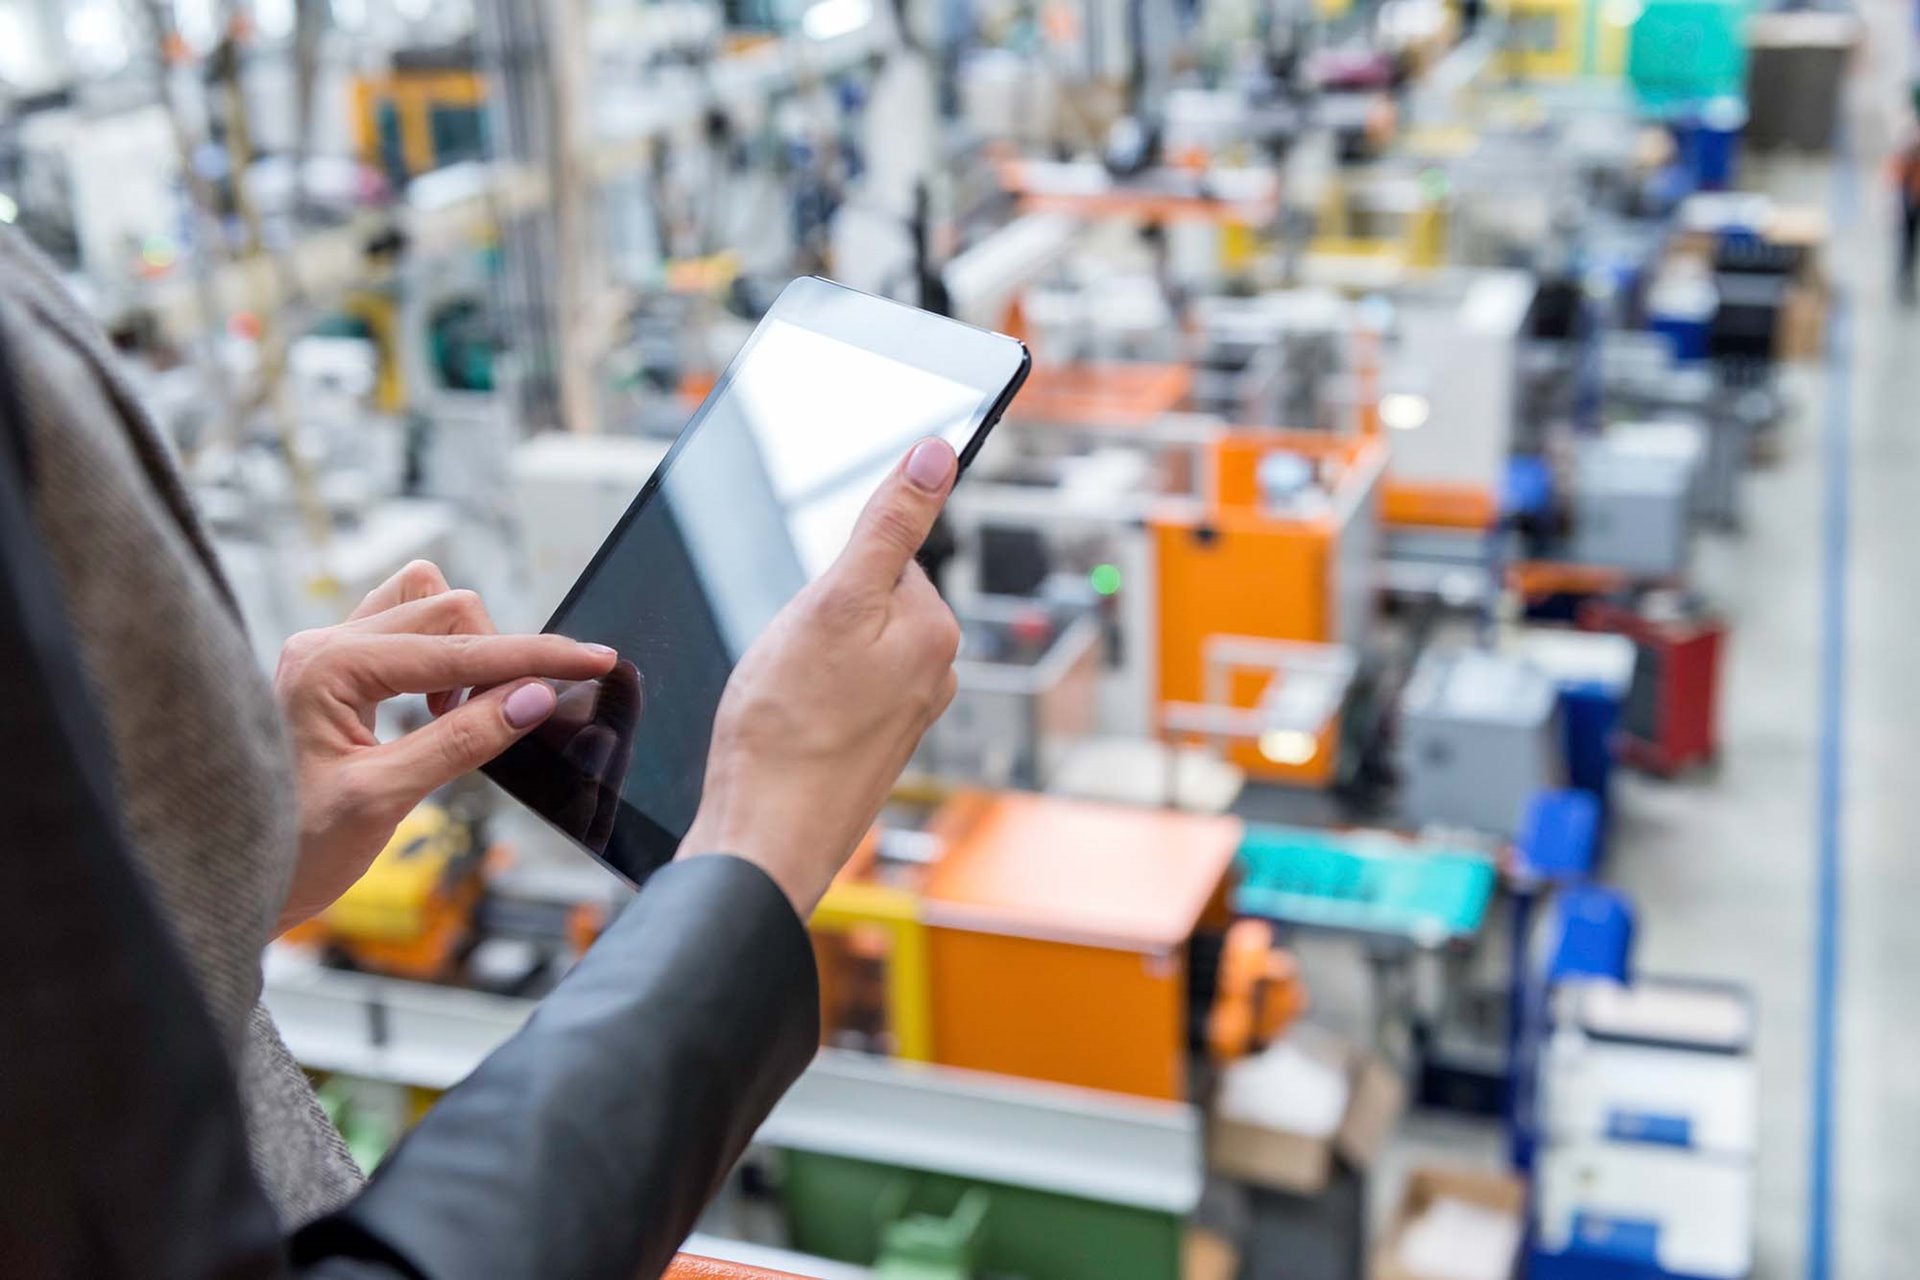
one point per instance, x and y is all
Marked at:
(755, 499)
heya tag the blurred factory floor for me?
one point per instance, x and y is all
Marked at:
(1722, 866)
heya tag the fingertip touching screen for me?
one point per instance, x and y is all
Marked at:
(756, 499)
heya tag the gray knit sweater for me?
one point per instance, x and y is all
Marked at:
(202, 773)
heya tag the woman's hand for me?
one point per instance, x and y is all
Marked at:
(412, 635)
(825, 709)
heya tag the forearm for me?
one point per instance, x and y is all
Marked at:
(588, 1144)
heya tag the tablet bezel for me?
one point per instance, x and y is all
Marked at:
(992, 363)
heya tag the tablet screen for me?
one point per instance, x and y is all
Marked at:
(757, 498)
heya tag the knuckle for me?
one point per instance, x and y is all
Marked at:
(464, 743)
(297, 656)
(946, 636)
(935, 636)
(896, 526)
(422, 577)
(836, 605)
(465, 606)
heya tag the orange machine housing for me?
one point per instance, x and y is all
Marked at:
(1103, 393)
(1230, 568)
(1058, 933)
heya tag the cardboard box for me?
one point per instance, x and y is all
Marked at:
(1803, 324)
(1302, 1163)
(1501, 1193)
(1208, 1255)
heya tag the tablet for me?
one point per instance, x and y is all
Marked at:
(755, 499)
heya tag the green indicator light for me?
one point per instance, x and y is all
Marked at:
(1105, 579)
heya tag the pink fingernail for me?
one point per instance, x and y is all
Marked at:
(600, 650)
(529, 704)
(929, 465)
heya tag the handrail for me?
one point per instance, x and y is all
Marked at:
(689, 1267)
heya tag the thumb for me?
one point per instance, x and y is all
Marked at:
(898, 518)
(465, 738)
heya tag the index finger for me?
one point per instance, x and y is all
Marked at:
(898, 518)
(391, 665)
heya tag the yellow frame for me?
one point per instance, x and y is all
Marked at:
(1589, 43)
(909, 966)
(413, 94)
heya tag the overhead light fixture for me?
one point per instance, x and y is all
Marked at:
(1288, 746)
(1404, 411)
(831, 19)
(9, 209)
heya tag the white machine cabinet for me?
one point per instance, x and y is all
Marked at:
(1459, 349)
(1653, 1210)
(1702, 1102)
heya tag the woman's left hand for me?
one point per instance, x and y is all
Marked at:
(412, 635)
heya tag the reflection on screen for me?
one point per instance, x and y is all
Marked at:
(758, 501)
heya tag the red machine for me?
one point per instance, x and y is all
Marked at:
(1672, 717)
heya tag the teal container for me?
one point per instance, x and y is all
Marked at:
(878, 1215)
(1322, 879)
(1683, 52)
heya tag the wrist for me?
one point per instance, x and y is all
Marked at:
(707, 837)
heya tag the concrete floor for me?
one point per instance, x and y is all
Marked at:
(1722, 867)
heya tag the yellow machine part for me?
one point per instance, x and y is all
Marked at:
(852, 906)
(376, 309)
(1564, 39)
(392, 902)
(413, 96)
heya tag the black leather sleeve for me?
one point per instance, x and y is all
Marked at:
(587, 1145)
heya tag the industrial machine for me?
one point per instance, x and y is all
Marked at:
(1273, 359)
(1478, 739)
(1028, 693)
(1562, 40)
(411, 915)
(1650, 1119)
(427, 112)
(1280, 549)
(1449, 397)
(1378, 227)
(980, 941)
(1633, 499)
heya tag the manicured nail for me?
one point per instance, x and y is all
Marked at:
(929, 465)
(529, 704)
(600, 650)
